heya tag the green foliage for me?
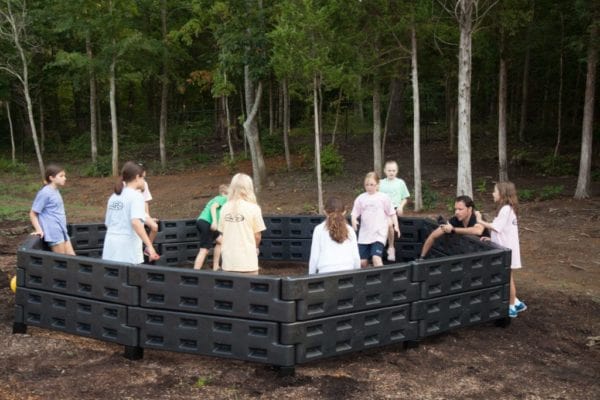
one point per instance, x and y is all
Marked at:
(102, 167)
(332, 162)
(430, 196)
(272, 145)
(202, 381)
(481, 185)
(526, 194)
(7, 165)
(556, 166)
(232, 163)
(549, 192)
(595, 176)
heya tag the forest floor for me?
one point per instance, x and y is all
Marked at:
(551, 351)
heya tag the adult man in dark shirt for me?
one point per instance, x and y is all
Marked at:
(464, 222)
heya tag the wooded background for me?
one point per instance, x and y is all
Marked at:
(106, 81)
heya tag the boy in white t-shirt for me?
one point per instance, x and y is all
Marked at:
(398, 192)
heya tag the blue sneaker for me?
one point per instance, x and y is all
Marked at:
(512, 312)
(520, 306)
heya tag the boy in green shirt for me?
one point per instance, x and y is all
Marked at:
(398, 192)
(207, 226)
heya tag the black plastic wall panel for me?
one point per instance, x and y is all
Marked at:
(454, 274)
(77, 276)
(459, 310)
(207, 292)
(79, 316)
(325, 337)
(285, 249)
(177, 254)
(93, 253)
(177, 231)
(211, 335)
(323, 295)
(410, 229)
(87, 236)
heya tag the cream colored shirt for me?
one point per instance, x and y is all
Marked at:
(239, 221)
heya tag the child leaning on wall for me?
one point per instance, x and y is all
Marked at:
(207, 224)
(149, 221)
(47, 213)
(399, 194)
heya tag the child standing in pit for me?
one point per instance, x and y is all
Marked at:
(375, 211)
(151, 223)
(398, 192)
(207, 226)
(125, 214)
(334, 247)
(505, 232)
(241, 224)
(47, 213)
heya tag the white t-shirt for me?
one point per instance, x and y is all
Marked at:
(238, 223)
(506, 233)
(121, 242)
(146, 192)
(374, 211)
(327, 255)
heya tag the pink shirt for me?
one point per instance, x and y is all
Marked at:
(374, 211)
(506, 233)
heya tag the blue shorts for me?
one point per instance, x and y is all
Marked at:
(367, 251)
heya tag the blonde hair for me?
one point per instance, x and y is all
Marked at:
(241, 188)
(372, 175)
(508, 195)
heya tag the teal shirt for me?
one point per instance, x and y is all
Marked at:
(395, 188)
(205, 214)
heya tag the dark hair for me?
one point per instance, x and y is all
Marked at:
(51, 171)
(466, 200)
(336, 222)
(129, 172)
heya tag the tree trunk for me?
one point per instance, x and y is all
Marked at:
(286, 123)
(464, 184)
(229, 144)
(271, 109)
(337, 117)
(502, 164)
(377, 162)
(164, 93)
(416, 122)
(585, 162)
(113, 117)
(13, 148)
(560, 90)
(259, 171)
(93, 117)
(388, 114)
(316, 85)
(524, 87)
(42, 126)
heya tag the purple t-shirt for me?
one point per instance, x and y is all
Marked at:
(374, 211)
(48, 205)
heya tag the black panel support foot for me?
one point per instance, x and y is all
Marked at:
(19, 327)
(411, 344)
(133, 353)
(503, 322)
(283, 371)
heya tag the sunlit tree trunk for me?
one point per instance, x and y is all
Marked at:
(587, 127)
(316, 85)
(93, 94)
(228, 116)
(271, 109)
(253, 97)
(560, 90)
(286, 123)
(524, 89)
(502, 163)
(42, 126)
(416, 122)
(337, 116)
(377, 161)
(113, 117)
(13, 149)
(164, 93)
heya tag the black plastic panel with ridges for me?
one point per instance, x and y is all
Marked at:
(216, 293)
(324, 295)
(236, 338)
(76, 315)
(87, 236)
(463, 309)
(177, 231)
(285, 249)
(455, 274)
(410, 229)
(77, 276)
(93, 253)
(177, 254)
(325, 337)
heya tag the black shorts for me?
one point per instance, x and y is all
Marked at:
(207, 237)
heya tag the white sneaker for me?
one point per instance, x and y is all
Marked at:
(391, 254)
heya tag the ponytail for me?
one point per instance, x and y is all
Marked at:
(336, 222)
(129, 172)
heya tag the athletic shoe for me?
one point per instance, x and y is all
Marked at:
(391, 254)
(512, 312)
(520, 306)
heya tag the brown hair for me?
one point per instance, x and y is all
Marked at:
(372, 175)
(508, 195)
(51, 171)
(336, 222)
(129, 172)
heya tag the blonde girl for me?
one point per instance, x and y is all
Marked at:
(376, 213)
(334, 247)
(241, 224)
(505, 232)
(47, 213)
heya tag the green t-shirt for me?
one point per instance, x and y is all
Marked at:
(205, 214)
(395, 188)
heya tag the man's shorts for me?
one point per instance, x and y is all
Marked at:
(207, 236)
(367, 251)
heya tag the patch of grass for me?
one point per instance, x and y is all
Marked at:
(13, 168)
(551, 192)
(14, 209)
(481, 186)
(556, 166)
(332, 161)
(526, 194)
(202, 381)
(430, 196)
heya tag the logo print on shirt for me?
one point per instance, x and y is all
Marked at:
(116, 205)
(234, 217)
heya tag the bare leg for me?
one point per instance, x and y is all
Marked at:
(200, 258)
(217, 254)
(513, 290)
(151, 223)
(364, 263)
(391, 237)
(64, 248)
(377, 261)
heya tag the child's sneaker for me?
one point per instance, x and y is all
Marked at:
(520, 306)
(391, 254)
(512, 312)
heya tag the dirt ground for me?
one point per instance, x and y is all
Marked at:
(551, 351)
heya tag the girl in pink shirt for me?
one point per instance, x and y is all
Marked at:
(505, 232)
(376, 214)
